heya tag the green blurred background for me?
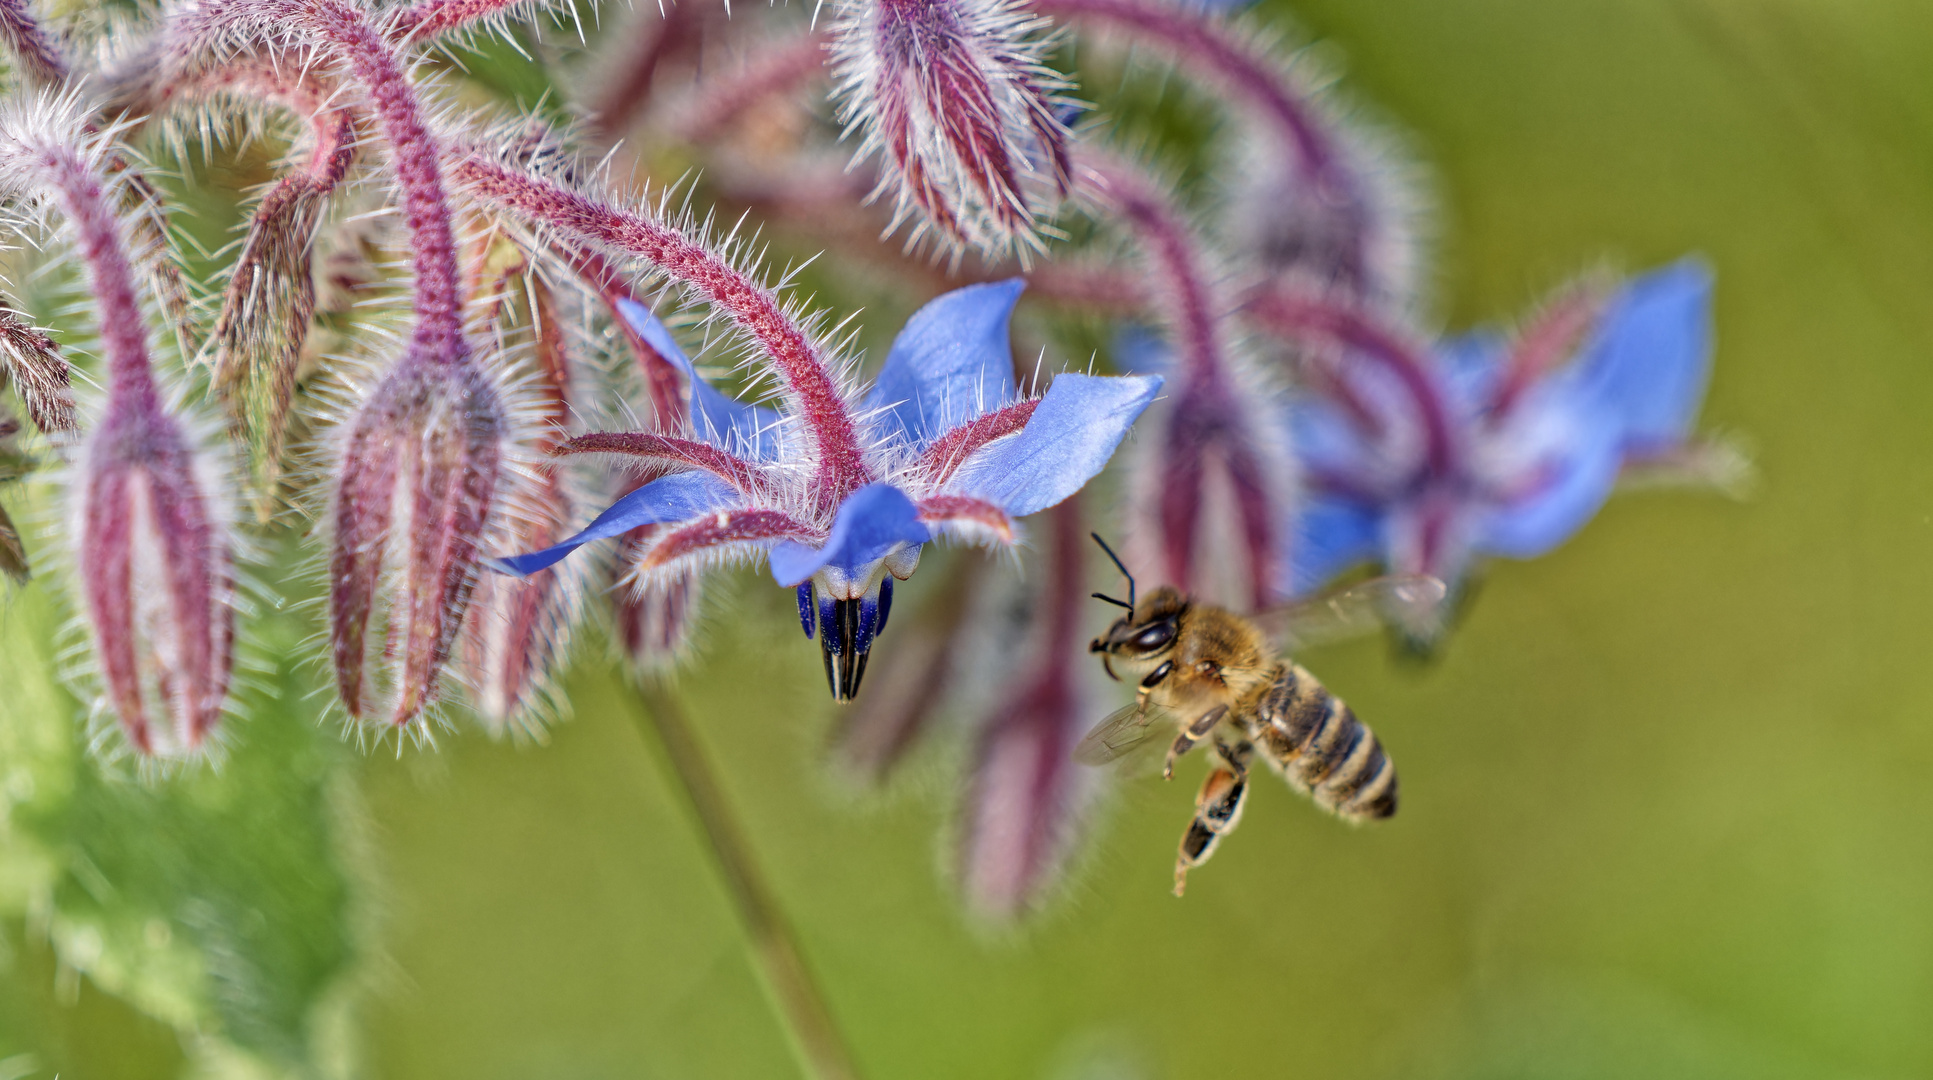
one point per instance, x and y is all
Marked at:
(1665, 810)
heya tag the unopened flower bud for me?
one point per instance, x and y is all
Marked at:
(158, 583)
(954, 100)
(414, 489)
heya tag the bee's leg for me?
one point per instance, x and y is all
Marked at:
(1190, 735)
(1217, 809)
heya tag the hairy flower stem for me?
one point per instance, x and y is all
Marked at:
(1208, 416)
(430, 19)
(1215, 55)
(793, 354)
(801, 1004)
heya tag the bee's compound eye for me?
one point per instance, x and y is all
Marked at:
(1154, 637)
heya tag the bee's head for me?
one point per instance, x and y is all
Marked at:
(1147, 632)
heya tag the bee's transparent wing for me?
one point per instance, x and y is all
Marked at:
(1120, 733)
(1354, 610)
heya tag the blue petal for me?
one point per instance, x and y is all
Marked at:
(678, 497)
(1651, 358)
(1331, 535)
(1071, 435)
(871, 523)
(746, 430)
(1576, 484)
(951, 363)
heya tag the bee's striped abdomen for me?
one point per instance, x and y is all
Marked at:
(1318, 745)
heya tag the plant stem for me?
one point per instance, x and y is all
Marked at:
(800, 1003)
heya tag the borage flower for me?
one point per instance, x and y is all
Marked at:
(1489, 445)
(947, 447)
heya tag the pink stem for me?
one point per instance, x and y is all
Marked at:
(946, 453)
(1298, 316)
(438, 337)
(429, 19)
(1219, 57)
(736, 471)
(1180, 279)
(842, 465)
(1543, 345)
(123, 328)
(39, 56)
(726, 527)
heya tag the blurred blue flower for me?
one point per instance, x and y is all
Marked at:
(950, 447)
(1493, 445)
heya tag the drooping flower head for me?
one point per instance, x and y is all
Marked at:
(1213, 481)
(946, 446)
(953, 100)
(419, 457)
(1318, 198)
(152, 552)
(1424, 461)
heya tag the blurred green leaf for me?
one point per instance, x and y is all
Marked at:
(217, 898)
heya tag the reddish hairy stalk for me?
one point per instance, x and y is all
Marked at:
(946, 453)
(965, 509)
(726, 527)
(124, 338)
(1192, 307)
(1547, 342)
(1215, 55)
(1207, 421)
(1092, 287)
(347, 33)
(774, 70)
(1298, 317)
(273, 272)
(429, 19)
(39, 57)
(736, 471)
(802, 371)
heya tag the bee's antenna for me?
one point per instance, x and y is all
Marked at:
(1111, 600)
(1119, 565)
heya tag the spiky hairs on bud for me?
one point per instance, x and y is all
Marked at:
(159, 579)
(952, 98)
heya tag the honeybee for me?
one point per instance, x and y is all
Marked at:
(1216, 676)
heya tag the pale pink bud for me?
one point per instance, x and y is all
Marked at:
(415, 485)
(154, 568)
(953, 99)
(517, 628)
(653, 614)
(1024, 801)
